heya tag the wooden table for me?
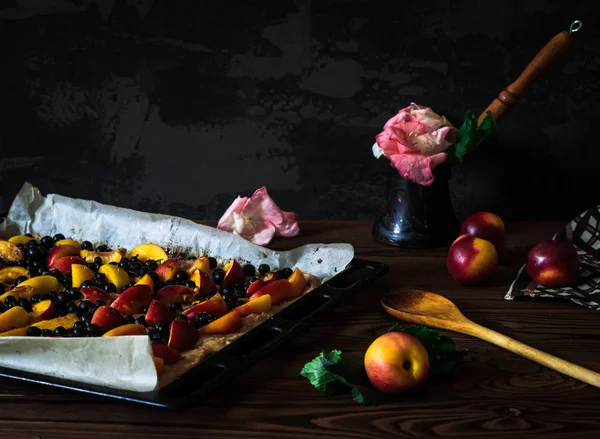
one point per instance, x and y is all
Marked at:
(499, 396)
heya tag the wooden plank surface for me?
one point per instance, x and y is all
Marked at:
(499, 396)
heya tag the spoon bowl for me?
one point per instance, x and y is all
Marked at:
(423, 307)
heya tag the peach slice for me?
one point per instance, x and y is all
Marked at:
(10, 251)
(234, 273)
(269, 277)
(64, 264)
(202, 264)
(17, 332)
(158, 312)
(43, 310)
(227, 324)
(61, 251)
(183, 335)
(128, 329)
(20, 239)
(175, 293)
(215, 305)
(167, 270)
(257, 306)
(298, 284)
(80, 273)
(133, 299)
(159, 363)
(146, 279)
(18, 292)
(15, 317)
(278, 290)
(115, 275)
(71, 242)
(94, 294)
(106, 257)
(254, 287)
(41, 284)
(66, 322)
(168, 354)
(107, 318)
(9, 274)
(204, 283)
(149, 251)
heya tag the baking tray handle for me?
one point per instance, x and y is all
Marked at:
(352, 279)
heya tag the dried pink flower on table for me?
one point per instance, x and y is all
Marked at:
(258, 219)
(414, 141)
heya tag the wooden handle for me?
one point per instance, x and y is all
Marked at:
(550, 361)
(550, 53)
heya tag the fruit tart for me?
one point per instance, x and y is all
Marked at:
(189, 306)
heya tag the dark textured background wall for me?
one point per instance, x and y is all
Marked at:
(177, 106)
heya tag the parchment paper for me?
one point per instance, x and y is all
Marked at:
(126, 362)
(116, 362)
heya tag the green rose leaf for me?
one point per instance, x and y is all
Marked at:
(470, 135)
(338, 372)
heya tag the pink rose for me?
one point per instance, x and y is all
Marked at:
(415, 140)
(258, 219)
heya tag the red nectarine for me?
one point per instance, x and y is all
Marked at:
(553, 263)
(471, 260)
(488, 226)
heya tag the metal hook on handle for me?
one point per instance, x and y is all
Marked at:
(575, 26)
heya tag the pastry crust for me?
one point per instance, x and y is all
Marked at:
(209, 345)
(44, 276)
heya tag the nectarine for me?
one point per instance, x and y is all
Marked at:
(471, 260)
(94, 294)
(488, 226)
(553, 263)
(149, 251)
(15, 317)
(9, 274)
(396, 362)
(10, 251)
(64, 264)
(80, 273)
(278, 290)
(61, 251)
(107, 318)
(133, 299)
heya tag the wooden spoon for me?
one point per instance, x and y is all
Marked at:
(425, 308)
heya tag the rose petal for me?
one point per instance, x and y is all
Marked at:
(227, 220)
(398, 139)
(427, 117)
(259, 232)
(377, 151)
(402, 116)
(289, 227)
(261, 206)
(405, 132)
(446, 136)
(416, 167)
(239, 222)
(434, 143)
(265, 235)
(388, 146)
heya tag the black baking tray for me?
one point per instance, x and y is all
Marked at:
(240, 354)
